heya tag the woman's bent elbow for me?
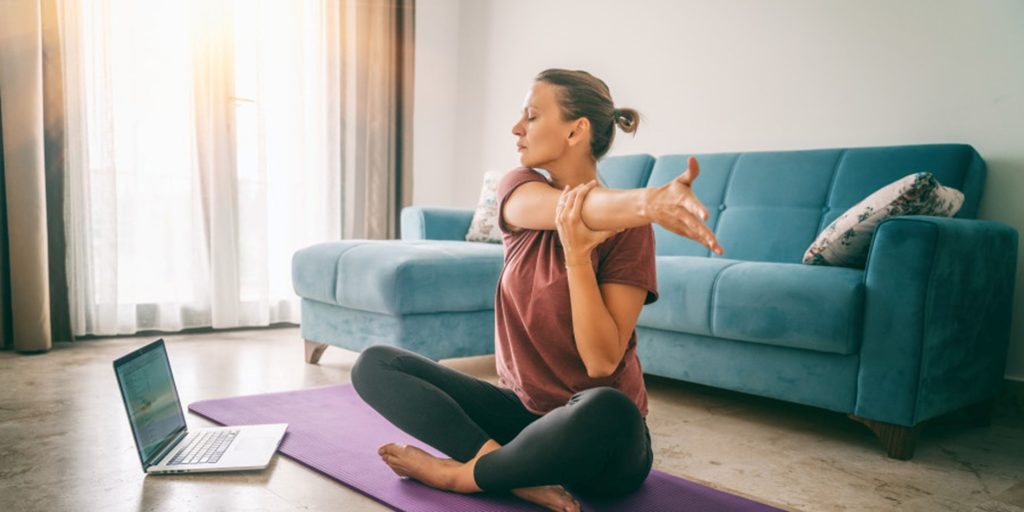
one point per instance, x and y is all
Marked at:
(600, 371)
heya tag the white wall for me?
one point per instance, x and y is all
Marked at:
(736, 75)
(435, 101)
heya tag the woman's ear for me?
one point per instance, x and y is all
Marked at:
(580, 131)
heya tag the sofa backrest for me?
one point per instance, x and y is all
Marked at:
(770, 205)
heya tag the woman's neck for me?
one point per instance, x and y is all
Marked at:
(571, 174)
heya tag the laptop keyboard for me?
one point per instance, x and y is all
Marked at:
(205, 448)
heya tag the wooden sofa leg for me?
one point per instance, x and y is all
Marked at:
(313, 351)
(898, 441)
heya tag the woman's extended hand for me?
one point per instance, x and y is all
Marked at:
(675, 207)
(577, 239)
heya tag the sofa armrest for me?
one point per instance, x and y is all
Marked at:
(937, 310)
(433, 223)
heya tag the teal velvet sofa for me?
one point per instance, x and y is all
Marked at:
(921, 332)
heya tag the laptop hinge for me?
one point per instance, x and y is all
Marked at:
(161, 453)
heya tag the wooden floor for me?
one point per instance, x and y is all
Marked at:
(61, 415)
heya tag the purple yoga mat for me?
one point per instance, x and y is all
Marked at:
(331, 430)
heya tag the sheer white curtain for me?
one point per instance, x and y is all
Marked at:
(203, 150)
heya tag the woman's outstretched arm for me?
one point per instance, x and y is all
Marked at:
(674, 206)
(532, 206)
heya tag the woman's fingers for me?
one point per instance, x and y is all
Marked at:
(711, 242)
(691, 173)
(572, 209)
(698, 216)
(696, 207)
(676, 208)
(682, 186)
(705, 236)
(570, 202)
(566, 215)
(703, 210)
(581, 194)
(560, 205)
(691, 227)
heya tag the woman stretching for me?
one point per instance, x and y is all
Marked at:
(569, 411)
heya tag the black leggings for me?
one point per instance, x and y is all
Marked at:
(597, 444)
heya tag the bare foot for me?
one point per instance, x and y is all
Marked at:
(552, 497)
(412, 462)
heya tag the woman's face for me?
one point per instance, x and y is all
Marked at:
(542, 136)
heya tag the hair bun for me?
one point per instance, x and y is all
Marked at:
(626, 118)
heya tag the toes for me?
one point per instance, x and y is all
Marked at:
(392, 463)
(569, 507)
(390, 448)
(568, 500)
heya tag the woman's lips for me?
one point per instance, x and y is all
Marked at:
(520, 148)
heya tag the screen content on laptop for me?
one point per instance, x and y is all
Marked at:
(151, 399)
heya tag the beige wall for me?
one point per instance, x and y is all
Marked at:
(732, 76)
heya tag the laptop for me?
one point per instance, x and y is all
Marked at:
(164, 443)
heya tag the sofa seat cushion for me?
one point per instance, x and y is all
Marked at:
(782, 304)
(399, 277)
(684, 291)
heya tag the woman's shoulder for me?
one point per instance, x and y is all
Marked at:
(518, 176)
(523, 171)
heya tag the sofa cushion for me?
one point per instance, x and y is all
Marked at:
(789, 305)
(685, 284)
(484, 226)
(626, 171)
(399, 277)
(845, 241)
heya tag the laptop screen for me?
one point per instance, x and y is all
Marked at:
(150, 398)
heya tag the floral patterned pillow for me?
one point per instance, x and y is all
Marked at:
(845, 242)
(484, 226)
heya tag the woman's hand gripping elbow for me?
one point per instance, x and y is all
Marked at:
(596, 333)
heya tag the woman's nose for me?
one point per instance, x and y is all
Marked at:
(517, 128)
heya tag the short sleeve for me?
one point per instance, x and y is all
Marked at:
(628, 258)
(509, 182)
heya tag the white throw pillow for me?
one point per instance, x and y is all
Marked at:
(846, 240)
(484, 226)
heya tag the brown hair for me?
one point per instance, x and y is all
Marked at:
(584, 95)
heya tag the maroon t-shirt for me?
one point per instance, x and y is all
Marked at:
(534, 344)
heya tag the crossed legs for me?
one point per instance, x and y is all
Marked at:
(595, 444)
